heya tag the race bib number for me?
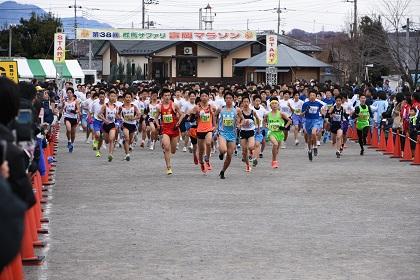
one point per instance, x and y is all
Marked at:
(128, 118)
(228, 122)
(336, 117)
(313, 109)
(205, 117)
(167, 118)
(297, 111)
(274, 127)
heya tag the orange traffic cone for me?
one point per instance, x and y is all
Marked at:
(382, 142)
(6, 274)
(369, 138)
(408, 155)
(375, 144)
(390, 143)
(27, 249)
(16, 268)
(416, 160)
(397, 146)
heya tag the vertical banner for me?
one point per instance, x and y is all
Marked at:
(59, 47)
(271, 49)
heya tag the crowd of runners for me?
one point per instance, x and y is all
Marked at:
(229, 118)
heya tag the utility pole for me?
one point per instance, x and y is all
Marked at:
(407, 42)
(143, 13)
(75, 7)
(247, 24)
(278, 18)
(143, 10)
(354, 16)
(200, 19)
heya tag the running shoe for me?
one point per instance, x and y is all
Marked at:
(254, 162)
(98, 154)
(261, 155)
(110, 157)
(222, 175)
(338, 154)
(248, 168)
(283, 145)
(236, 153)
(71, 148)
(142, 144)
(184, 149)
(127, 157)
(190, 148)
(296, 142)
(310, 155)
(203, 168)
(88, 141)
(221, 156)
(315, 151)
(275, 164)
(318, 143)
(195, 160)
(68, 145)
(152, 145)
(95, 145)
(169, 171)
(362, 151)
(208, 165)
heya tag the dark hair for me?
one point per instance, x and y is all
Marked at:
(256, 96)
(192, 92)
(70, 89)
(9, 99)
(26, 90)
(228, 92)
(399, 97)
(127, 93)
(274, 98)
(339, 97)
(204, 91)
(382, 95)
(165, 90)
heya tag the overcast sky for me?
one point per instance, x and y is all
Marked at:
(309, 15)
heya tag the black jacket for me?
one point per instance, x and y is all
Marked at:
(12, 211)
(18, 180)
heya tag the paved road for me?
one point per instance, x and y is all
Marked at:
(349, 218)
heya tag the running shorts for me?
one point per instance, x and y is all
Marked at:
(246, 134)
(259, 137)
(202, 135)
(228, 136)
(97, 125)
(278, 135)
(131, 127)
(297, 120)
(107, 127)
(310, 124)
(73, 122)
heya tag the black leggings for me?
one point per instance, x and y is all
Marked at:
(362, 135)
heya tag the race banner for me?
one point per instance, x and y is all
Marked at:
(165, 35)
(271, 49)
(59, 47)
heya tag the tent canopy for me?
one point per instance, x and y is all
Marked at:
(47, 69)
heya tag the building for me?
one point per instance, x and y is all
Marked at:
(291, 65)
(181, 61)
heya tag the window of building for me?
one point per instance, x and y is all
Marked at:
(237, 71)
(186, 67)
(257, 49)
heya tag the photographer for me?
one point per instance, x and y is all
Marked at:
(15, 188)
(16, 157)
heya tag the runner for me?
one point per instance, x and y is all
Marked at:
(260, 134)
(141, 106)
(152, 121)
(296, 106)
(171, 118)
(362, 114)
(275, 121)
(337, 116)
(129, 114)
(108, 116)
(95, 110)
(312, 111)
(227, 119)
(286, 109)
(248, 123)
(71, 110)
(205, 127)
(85, 104)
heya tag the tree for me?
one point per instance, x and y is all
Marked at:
(403, 54)
(113, 73)
(120, 71)
(139, 73)
(32, 38)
